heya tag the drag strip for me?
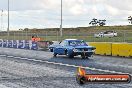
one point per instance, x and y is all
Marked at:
(97, 63)
(39, 69)
(61, 64)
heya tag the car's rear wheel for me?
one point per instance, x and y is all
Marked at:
(51, 50)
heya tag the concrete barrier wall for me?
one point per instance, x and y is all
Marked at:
(121, 49)
(131, 51)
(102, 48)
(114, 49)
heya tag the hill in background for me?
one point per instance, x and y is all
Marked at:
(85, 33)
(81, 30)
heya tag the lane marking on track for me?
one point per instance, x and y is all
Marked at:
(2, 55)
(93, 69)
(17, 57)
(10, 56)
(24, 58)
(68, 65)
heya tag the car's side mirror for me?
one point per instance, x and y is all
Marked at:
(59, 42)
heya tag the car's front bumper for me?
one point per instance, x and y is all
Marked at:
(86, 53)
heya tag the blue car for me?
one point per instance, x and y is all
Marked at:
(73, 47)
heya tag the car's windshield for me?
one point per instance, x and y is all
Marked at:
(77, 43)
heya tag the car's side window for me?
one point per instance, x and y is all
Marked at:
(65, 43)
(62, 43)
(72, 43)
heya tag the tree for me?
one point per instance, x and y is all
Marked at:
(102, 22)
(20, 29)
(130, 19)
(94, 22)
(26, 29)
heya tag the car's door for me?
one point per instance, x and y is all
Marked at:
(61, 48)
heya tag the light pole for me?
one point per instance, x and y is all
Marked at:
(8, 21)
(61, 21)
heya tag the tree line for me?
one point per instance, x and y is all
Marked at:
(96, 22)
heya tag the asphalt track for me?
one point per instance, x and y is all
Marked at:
(39, 69)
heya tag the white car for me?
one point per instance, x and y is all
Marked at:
(106, 34)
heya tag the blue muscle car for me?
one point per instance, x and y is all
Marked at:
(73, 47)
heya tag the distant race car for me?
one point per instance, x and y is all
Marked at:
(73, 47)
(106, 34)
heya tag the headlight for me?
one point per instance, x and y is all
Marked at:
(75, 50)
(93, 50)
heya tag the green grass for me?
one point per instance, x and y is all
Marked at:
(86, 38)
(125, 36)
(90, 38)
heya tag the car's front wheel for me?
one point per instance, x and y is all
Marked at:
(84, 57)
(55, 54)
(70, 55)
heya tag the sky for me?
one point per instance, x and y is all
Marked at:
(76, 13)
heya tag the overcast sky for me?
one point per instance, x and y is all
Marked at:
(46, 13)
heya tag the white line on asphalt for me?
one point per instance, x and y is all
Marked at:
(24, 58)
(35, 60)
(55, 63)
(17, 57)
(10, 56)
(2, 55)
(94, 69)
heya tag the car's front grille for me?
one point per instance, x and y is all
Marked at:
(84, 49)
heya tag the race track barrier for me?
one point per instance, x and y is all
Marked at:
(131, 51)
(20, 44)
(114, 49)
(121, 49)
(24, 44)
(102, 48)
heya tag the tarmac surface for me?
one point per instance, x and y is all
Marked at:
(39, 69)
